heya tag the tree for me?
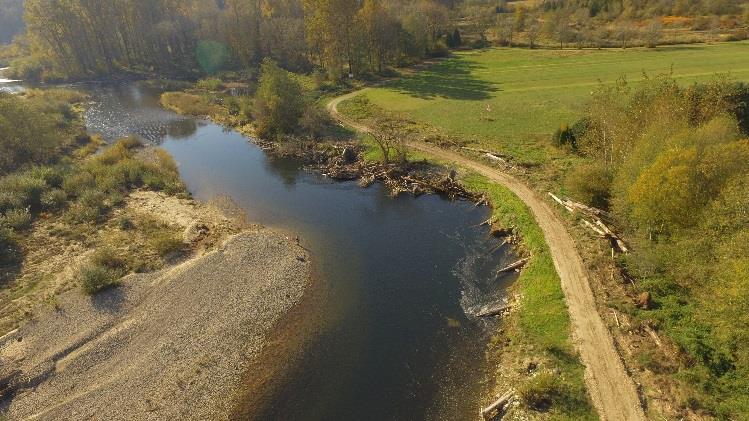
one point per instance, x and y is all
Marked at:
(653, 34)
(279, 101)
(329, 27)
(520, 18)
(558, 27)
(390, 136)
(533, 31)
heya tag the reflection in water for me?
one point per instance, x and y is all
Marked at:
(395, 339)
(117, 111)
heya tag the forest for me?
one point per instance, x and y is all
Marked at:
(79, 39)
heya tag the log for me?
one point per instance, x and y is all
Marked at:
(497, 406)
(494, 311)
(517, 265)
(561, 202)
(593, 227)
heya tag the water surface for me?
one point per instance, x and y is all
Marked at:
(399, 275)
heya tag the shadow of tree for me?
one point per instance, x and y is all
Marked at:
(450, 79)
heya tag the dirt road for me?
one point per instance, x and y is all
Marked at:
(612, 390)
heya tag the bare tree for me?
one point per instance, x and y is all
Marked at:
(653, 34)
(391, 138)
(533, 31)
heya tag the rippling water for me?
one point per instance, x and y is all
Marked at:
(400, 277)
(9, 85)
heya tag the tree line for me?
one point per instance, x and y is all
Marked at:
(85, 38)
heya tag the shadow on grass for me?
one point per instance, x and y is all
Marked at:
(451, 79)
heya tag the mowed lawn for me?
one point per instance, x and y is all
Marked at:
(512, 99)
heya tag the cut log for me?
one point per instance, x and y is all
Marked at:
(561, 202)
(494, 311)
(593, 227)
(497, 406)
(517, 265)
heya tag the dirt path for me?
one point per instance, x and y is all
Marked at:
(612, 390)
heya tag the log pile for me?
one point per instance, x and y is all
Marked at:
(597, 216)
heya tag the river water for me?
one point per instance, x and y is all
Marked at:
(393, 338)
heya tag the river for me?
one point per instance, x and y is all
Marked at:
(391, 337)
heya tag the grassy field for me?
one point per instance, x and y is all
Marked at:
(511, 100)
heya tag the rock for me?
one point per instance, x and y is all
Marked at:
(195, 232)
(644, 301)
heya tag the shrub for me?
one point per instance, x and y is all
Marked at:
(540, 392)
(54, 199)
(564, 136)
(105, 270)
(18, 219)
(314, 122)
(89, 207)
(210, 84)
(8, 247)
(109, 258)
(98, 278)
(591, 184)
(52, 176)
(165, 243)
(76, 183)
(21, 191)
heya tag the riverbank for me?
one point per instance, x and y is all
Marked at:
(169, 345)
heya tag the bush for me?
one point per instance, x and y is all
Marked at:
(105, 270)
(564, 136)
(591, 184)
(540, 392)
(166, 243)
(21, 191)
(98, 278)
(54, 199)
(8, 247)
(314, 122)
(109, 258)
(210, 84)
(18, 219)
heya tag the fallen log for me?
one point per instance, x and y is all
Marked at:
(517, 265)
(494, 311)
(497, 406)
(593, 227)
(561, 202)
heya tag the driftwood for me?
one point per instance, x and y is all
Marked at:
(494, 311)
(594, 228)
(517, 265)
(497, 406)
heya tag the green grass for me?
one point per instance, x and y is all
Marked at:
(543, 321)
(530, 93)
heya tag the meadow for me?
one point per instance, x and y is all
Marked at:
(512, 100)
